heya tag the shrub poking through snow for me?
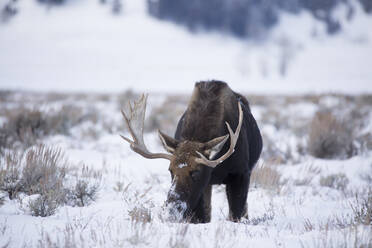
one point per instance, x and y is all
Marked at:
(10, 174)
(363, 208)
(83, 193)
(44, 173)
(266, 176)
(2, 200)
(335, 181)
(140, 214)
(85, 188)
(25, 127)
(44, 170)
(44, 205)
(329, 137)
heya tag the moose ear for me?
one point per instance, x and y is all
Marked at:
(214, 146)
(168, 142)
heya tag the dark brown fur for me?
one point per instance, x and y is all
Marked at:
(212, 104)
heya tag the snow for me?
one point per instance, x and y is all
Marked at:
(297, 210)
(182, 165)
(82, 47)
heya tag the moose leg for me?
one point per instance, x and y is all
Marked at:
(237, 191)
(202, 212)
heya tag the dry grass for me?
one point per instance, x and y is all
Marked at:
(84, 187)
(355, 237)
(268, 216)
(69, 239)
(2, 200)
(266, 176)
(178, 240)
(329, 137)
(308, 173)
(336, 181)
(44, 205)
(25, 127)
(121, 187)
(10, 174)
(140, 214)
(83, 193)
(362, 208)
(45, 169)
(43, 172)
(5, 241)
(145, 226)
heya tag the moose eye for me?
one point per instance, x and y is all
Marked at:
(195, 175)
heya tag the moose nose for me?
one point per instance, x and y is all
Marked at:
(174, 196)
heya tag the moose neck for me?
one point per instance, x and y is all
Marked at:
(206, 112)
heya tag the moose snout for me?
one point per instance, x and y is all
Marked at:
(176, 206)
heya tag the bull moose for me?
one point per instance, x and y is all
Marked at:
(200, 155)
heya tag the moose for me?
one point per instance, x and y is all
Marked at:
(199, 153)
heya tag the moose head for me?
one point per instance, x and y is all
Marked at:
(191, 162)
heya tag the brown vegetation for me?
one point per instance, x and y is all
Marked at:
(329, 137)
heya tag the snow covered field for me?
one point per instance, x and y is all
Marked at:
(66, 72)
(295, 199)
(82, 46)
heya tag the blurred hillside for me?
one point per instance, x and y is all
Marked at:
(251, 18)
(242, 18)
(292, 46)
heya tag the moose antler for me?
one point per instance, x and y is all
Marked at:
(135, 124)
(233, 139)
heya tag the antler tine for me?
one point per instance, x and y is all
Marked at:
(127, 122)
(233, 139)
(135, 124)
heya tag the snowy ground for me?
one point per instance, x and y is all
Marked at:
(82, 46)
(295, 200)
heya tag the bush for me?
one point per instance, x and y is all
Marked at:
(44, 171)
(335, 181)
(362, 209)
(266, 176)
(85, 189)
(44, 205)
(329, 137)
(140, 214)
(2, 200)
(44, 174)
(25, 127)
(10, 174)
(82, 194)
